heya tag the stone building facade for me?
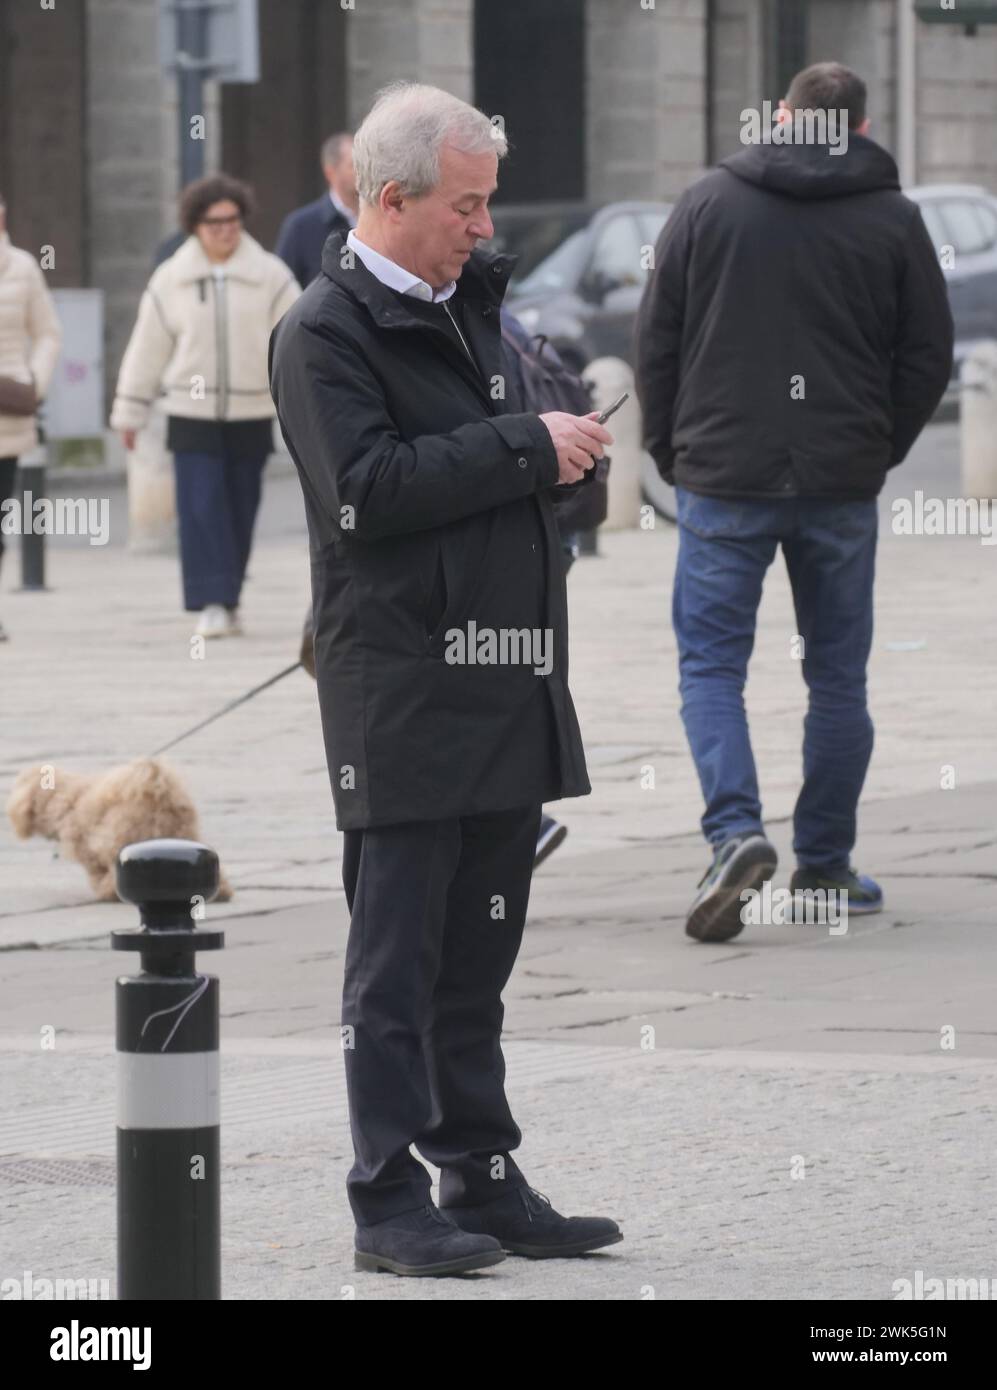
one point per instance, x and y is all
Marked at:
(602, 99)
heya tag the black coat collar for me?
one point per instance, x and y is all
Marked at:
(483, 281)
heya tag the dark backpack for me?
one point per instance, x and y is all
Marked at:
(547, 384)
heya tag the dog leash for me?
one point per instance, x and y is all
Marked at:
(233, 705)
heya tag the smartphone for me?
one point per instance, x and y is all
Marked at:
(612, 408)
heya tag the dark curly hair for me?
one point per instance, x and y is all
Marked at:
(198, 196)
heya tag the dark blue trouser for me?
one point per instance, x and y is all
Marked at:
(725, 547)
(217, 502)
(427, 958)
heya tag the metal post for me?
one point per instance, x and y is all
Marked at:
(905, 140)
(31, 481)
(169, 1189)
(192, 30)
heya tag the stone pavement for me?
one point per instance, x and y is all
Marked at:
(773, 1118)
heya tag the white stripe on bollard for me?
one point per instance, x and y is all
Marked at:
(172, 1090)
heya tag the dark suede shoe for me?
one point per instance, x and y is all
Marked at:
(526, 1224)
(423, 1242)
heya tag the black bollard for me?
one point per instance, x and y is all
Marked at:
(32, 479)
(169, 1190)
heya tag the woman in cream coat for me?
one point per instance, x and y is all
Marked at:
(201, 339)
(30, 339)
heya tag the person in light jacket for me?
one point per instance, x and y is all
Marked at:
(30, 340)
(201, 338)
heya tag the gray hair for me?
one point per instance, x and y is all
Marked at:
(405, 130)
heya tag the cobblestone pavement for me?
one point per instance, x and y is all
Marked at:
(780, 1117)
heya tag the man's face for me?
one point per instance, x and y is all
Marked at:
(434, 235)
(341, 178)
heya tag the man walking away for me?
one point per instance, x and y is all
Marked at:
(794, 339)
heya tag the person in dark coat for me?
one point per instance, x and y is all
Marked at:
(305, 231)
(433, 541)
(794, 339)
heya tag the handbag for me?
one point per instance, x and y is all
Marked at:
(17, 397)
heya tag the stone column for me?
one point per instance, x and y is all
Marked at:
(646, 121)
(738, 66)
(132, 180)
(416, 40)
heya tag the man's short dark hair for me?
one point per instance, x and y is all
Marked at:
(198, 196)
(829, 87)
(333, 146)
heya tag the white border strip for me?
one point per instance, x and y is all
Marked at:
(171, 1090)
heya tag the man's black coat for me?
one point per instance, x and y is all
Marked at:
(304, 233)
(795, 335)
(428, 507)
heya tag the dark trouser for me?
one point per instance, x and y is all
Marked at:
(8, 473)
(438, 910)
(217, 502)
(725, 547)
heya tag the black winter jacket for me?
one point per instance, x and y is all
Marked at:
(795, 335)
(428, 508)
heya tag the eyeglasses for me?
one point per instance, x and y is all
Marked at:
(221, 221)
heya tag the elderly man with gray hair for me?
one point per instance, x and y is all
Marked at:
(441, 658)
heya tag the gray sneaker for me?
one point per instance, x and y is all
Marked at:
(740, 863)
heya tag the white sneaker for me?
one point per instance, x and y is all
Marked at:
(213, 621)
(234, 622)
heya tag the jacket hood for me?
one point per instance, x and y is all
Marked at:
(813, 171)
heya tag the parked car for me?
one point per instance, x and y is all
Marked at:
(579, 281)
(964, 217)
(580, 278)
(531, 231)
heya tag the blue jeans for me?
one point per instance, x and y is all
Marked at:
(217, 502)
(725, 547)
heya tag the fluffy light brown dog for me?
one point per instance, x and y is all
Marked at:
(92, 818)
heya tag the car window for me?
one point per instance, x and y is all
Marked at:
(651, 224)
(936, 227)
(616, 256)
(967, 231)
(988, 216)
(558, 271)
(532, 237)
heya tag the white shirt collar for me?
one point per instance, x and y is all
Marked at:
(341, 208)
(396, 277)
